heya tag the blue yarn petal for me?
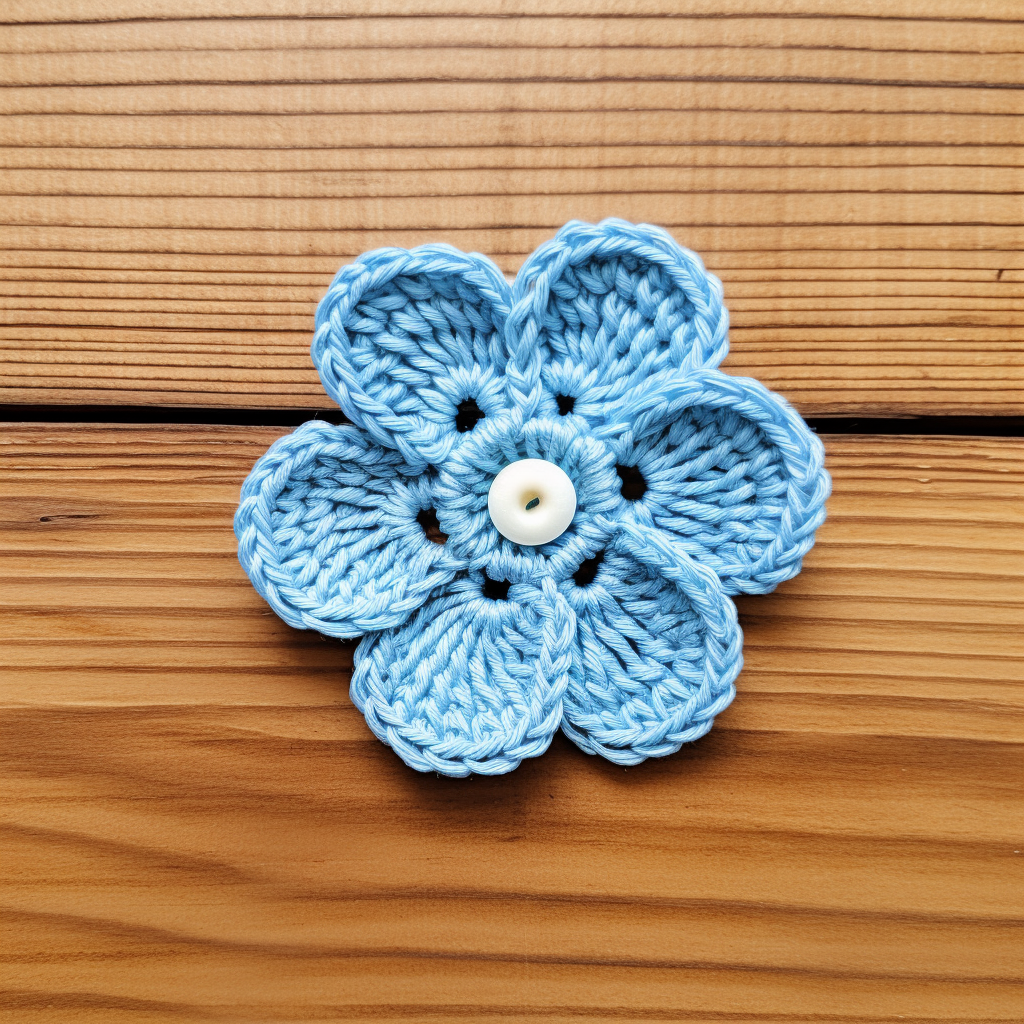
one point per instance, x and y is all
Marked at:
(328, 532)
(600, 308)
(658, 649)
(731, 472)
(403, 337)
(469, 684)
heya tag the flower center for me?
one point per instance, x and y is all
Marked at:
(532, 501)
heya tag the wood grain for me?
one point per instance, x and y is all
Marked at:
(198, 825)
(177, 189)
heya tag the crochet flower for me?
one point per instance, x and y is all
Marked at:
(691, 485)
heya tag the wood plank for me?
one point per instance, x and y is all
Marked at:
(199, 826)
(178, 189)
(87, 11)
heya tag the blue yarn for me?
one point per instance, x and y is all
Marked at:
(691, 485)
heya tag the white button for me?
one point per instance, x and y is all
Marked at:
(532, 501)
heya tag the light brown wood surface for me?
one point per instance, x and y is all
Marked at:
(179, 181)
(199, 826)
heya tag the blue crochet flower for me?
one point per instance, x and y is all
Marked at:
(691, 485)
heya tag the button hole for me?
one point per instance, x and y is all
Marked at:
(532, 503)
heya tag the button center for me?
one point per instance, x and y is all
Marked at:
(531, 502)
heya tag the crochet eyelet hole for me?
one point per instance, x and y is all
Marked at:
(427, 518)
(566, 404)
(587, 572)
(634, 486)
(468, 415)
(496, 590)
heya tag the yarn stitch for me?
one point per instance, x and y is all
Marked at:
(691, 485)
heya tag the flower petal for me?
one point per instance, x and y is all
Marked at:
(405, 336)
(730, 470)
(600, 308)
(469, 684)
(330, 532)
(658, 649)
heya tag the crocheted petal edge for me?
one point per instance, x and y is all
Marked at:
(388, 570)
(409, 409)
(469, 685)
(590, 383)
(633, 739)
(666, 396)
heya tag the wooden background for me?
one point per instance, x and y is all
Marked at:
(197, 825)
